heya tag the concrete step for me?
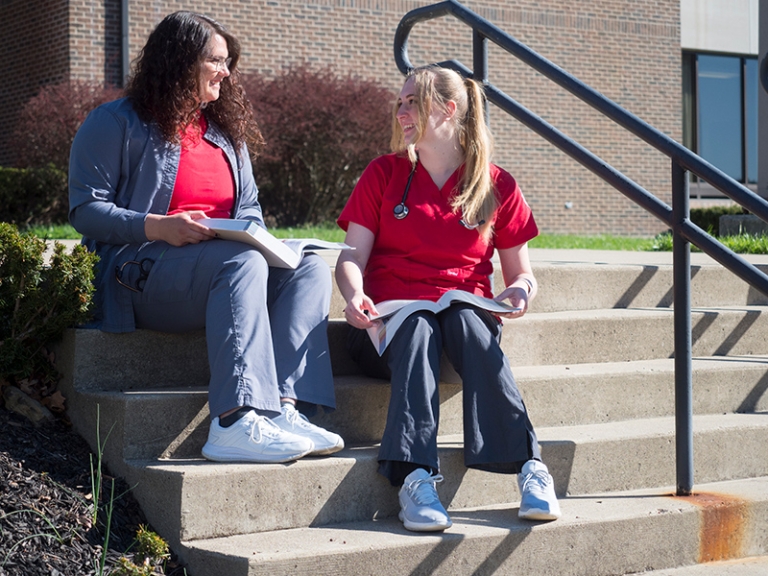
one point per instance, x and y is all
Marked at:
(750, 566)
(142, 359)
(594, 279)
(567, 285)
(598, 535)
(172, 422)
(177, 497)
(578, 337)
(593, 361)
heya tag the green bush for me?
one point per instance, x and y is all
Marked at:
(708, 219)
(33, 196)
(38, 302)
(741, 244)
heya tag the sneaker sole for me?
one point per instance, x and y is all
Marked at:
(229, 456)
(414, 527)
(537, 514)
(327, 451)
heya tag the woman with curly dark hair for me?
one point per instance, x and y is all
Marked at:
(165, 86)
(144, 171)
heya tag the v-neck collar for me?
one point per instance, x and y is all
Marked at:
(452, 180)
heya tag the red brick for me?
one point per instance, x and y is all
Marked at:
(629, 50)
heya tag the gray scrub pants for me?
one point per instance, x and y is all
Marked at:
(266, 328)
(498, 435)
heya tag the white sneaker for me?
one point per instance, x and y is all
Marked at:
(420, 507)
(293, 421)
(537, 493)
(254, 438)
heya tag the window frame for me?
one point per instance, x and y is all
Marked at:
(690, 124)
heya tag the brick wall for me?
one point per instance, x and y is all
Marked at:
(95, 41)
(627, 49)
(33, 53)
(51, 41)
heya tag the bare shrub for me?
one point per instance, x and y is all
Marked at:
(48, 122)
(321, 131)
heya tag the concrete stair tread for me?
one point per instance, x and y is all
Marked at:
(490, 539)
(582, 460)
(585, 433)
(159, 390)
(749, 566)
(522, 373)
(172, 421)
(612, 335)
(650, 365)
(649, 427)
(594, 362)
(144, 358)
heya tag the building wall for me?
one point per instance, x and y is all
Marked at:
(51, 41)
(33, 53)
(719, 26)
(627, 49)
(95, 41)
(762, 111)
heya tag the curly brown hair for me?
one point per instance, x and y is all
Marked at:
(164, 87)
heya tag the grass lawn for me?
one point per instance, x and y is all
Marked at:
(335, 234)
(742, 244)
(602, 242)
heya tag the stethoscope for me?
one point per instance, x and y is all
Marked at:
(401, 210)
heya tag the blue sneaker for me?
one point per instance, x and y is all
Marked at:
(537, 493)
(420, 508)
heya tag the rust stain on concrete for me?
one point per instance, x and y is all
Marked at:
(723, 525)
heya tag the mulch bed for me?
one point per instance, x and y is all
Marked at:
(45, 505)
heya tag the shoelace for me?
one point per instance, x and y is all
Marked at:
(292, 415)
(423, 490)
(265, 427)
(538, 479)
(295, 418)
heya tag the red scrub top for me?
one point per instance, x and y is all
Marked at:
(204, 179)
(429, 252)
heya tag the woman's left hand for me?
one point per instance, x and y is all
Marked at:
(519, 279)
(518, 297)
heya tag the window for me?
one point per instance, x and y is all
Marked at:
(720, 115)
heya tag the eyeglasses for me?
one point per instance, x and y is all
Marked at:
(144, 267)
(220, 64)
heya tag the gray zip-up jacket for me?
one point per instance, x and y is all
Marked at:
(120, 170)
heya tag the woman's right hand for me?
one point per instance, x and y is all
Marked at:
(360, 311)
(178, 229)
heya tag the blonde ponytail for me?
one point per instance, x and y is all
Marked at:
(476, 195)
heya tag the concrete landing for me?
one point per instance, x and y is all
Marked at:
(756, 566)
(600, 535)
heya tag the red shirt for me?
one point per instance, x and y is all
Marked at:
(204, 180)
(429, 252)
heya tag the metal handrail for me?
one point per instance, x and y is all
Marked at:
(677, 217)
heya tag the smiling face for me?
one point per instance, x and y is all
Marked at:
(423, 122)
(408, 112)
(214, 69)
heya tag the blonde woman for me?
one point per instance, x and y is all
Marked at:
(424, 220)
